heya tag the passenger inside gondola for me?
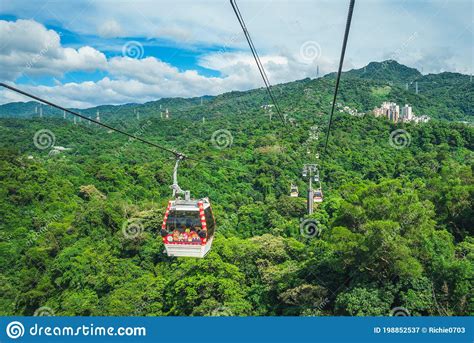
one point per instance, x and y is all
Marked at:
(183, 228)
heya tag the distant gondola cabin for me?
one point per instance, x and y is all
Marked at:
(318, 196)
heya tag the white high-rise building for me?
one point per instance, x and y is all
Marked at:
(407, 113)
(391, 111)
(394, 112)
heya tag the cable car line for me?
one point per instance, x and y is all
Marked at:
(260, 67)
(177, 154)
(257, 58)
(189, 225)
(341, 61)
(317, 195)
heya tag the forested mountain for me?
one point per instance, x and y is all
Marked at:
(446, 96)
(450, 95)
(32, 109)
(395, 228)
(388, 71)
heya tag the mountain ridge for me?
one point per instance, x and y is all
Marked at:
(445, 95)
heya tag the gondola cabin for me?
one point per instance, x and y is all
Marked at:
(318, 195)
(188, 228)
(294, 191)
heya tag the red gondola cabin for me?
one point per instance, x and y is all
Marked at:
(188, 227)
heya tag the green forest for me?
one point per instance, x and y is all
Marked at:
(395, 229)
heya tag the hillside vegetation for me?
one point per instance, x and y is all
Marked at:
(445, 96)
(396, 226)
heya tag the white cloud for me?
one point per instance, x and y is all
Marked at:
(379, 27)
(109, 29)
(280, 68)
(38, 51)
(148, 70)
(133, 80)
(30, 49)
(279, 30)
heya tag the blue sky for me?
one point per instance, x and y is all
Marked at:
(184, 58)
(91, 52)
